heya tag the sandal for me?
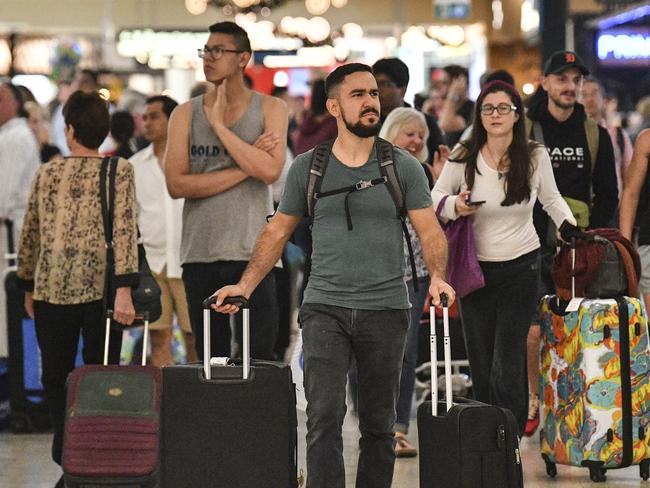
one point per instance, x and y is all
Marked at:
(403, 447)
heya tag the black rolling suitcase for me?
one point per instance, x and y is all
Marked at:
(29, 411)
(229, 424)
(465, 444)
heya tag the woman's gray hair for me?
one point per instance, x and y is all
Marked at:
(399, 117)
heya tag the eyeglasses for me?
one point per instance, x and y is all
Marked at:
(502, 109)
(215, 52)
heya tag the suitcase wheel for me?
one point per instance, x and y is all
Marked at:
(551, 469)
(21, 423)
(644, 469)
(597, 475)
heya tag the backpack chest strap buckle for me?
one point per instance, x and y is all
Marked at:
(363, 184)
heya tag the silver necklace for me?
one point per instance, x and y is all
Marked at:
(496, 161)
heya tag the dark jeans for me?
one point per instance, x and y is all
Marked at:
(332, 336)
(202, 280)
(496, 319)
(57, 330)
(407, 381)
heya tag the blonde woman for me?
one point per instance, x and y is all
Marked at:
(407, 129)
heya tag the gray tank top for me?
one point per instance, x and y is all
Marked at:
(224, 227)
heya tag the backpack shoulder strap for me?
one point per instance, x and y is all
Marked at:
(591, 130)
(386, 161)
(319, 159)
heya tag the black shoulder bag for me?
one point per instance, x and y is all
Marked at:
(146, 296)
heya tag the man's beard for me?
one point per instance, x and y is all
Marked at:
(561, 104)
(361, 130)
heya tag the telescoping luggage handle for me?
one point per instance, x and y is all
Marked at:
(434, 355)
(242, 302)
(145, 340)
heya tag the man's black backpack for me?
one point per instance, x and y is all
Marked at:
(385, 159)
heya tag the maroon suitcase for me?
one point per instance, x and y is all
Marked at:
(111, 434)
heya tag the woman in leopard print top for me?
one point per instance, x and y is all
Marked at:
(62, 255)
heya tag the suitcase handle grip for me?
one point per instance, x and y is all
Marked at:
(242, 302)
(444, 299)
(145, 340)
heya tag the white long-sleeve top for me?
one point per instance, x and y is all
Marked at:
(159, 216)
(502, 233)
(19, 160)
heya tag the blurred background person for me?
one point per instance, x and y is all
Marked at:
(134, 102)
(19, 160)
(635, 207)
(38, 123)
(159, 220)
(122, 131)
(57, 124)
(317, 125)
(457, 110)
(593, 99)
(643, 112)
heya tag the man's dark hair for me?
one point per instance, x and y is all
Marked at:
(394, 68)
(278, 91)
(248, 81)
(122, 126)
(418, 100)
(455, 70)
(168, 103)
(240, 36)
(88, 114)
(18, 96)
(92, 73)
(498, 75)
(336, 77)
(318, 104)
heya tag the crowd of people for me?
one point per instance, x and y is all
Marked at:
(194, 182)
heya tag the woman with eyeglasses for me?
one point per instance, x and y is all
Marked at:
(494, 178)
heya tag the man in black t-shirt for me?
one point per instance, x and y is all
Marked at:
(587, 181)
(392, 77)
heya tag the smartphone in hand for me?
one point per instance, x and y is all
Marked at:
(477, 203)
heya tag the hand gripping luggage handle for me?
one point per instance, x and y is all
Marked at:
(434, 355)
(145, 339)
(242, 302)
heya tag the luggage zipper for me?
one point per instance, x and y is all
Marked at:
(517, 455)
(501, 436)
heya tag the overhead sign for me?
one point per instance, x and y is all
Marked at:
(624, 47)
(452, 9)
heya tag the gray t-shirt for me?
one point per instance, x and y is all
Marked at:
(362, 268)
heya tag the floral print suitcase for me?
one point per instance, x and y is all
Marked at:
(595, 385)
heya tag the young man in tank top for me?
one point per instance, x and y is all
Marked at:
(225, 149)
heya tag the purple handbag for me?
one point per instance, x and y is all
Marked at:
(464, 273)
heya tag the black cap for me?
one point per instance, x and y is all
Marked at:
(561, 60)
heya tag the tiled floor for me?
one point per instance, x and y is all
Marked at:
(25, 463)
